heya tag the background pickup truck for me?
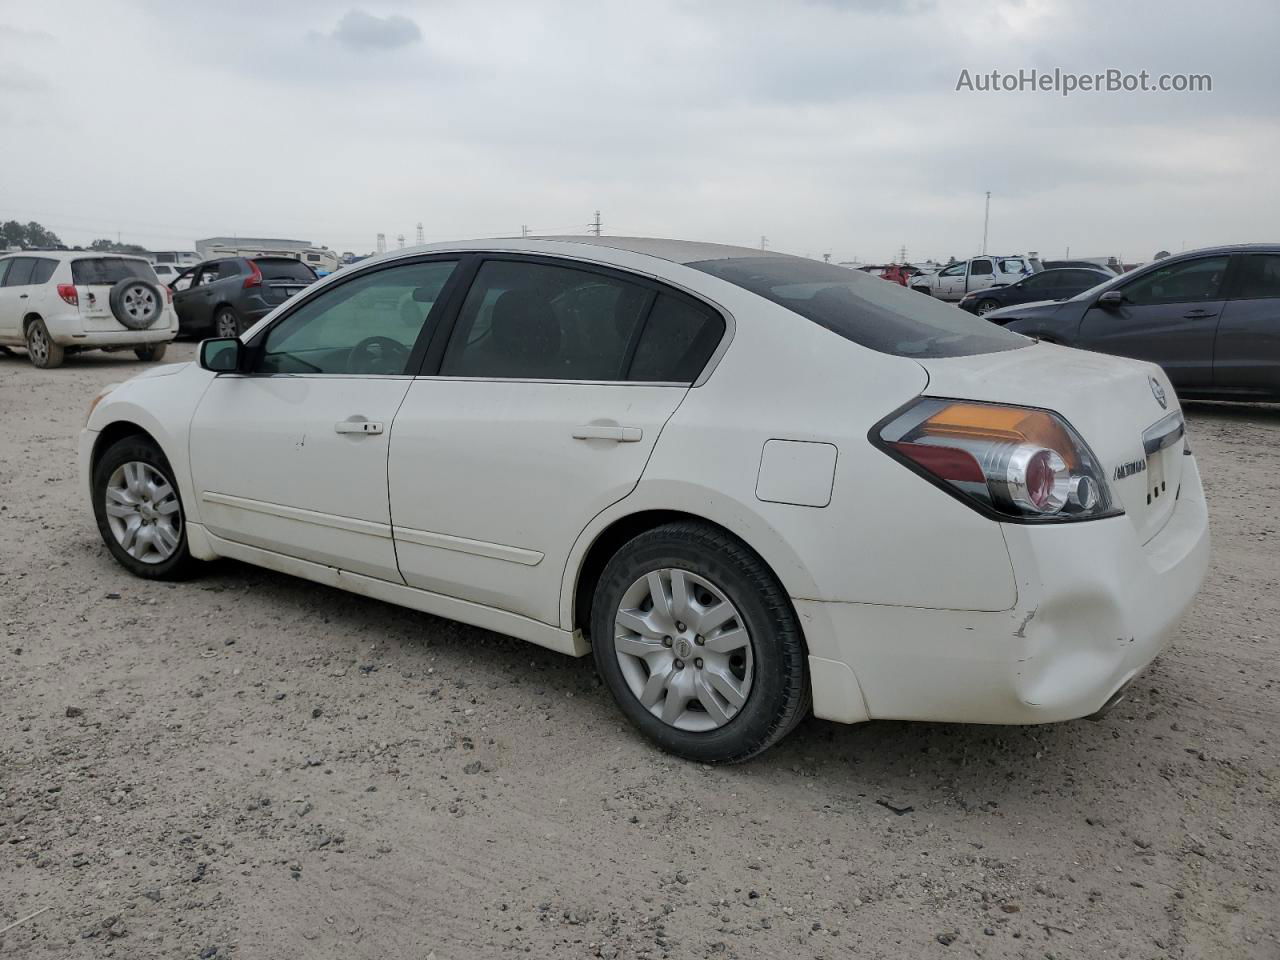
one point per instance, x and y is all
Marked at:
(954, 280)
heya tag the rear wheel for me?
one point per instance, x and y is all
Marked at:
(698, 644)
(151, 352)
(139, 511)
(226, 323)
(41, 349)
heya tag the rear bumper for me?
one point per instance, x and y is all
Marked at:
(1094, 607)
(70, 331)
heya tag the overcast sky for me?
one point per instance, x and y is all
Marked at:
(827, 126)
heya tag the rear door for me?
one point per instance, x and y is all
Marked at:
(1169, 316)
(982, 274)
(15, 279)
(1246, 356)
(542, 410)
(94, 277)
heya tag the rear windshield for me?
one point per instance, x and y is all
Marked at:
(100, 271)
(875, 313)
(282, 268)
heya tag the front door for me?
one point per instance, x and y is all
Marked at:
(552, 390)
(195, 304)
(291, 455)
(1169, 316)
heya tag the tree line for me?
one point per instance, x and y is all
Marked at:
(34, 236)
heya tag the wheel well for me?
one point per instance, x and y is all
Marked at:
(114, 432)
(608, 543)
(28, 320)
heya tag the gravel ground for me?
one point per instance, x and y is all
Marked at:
(252, 766)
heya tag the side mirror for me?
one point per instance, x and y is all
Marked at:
(221, 355)
(1111, 299)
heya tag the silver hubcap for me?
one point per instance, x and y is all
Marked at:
(985, 308)
(684, 649)
(226, 325)
(37, 346)
(139, 302)
(143, 512)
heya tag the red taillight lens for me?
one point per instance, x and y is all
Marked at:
(1016, 462)
(168, 294)
(254, 279)
(67, 291)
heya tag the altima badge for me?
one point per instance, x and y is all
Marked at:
(1158, 392)
(1129, 469)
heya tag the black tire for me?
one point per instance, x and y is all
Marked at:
(178, 566)
(778, 697)
(41, 350)
(152, 352)
(226, 323)
(136, 303)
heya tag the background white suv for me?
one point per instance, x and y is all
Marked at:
(52, 302)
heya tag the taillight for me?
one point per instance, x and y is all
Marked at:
(254, 279)
(1015, 462)
(168, 293)
(67, 291)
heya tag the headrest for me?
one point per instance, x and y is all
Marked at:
(524, 324)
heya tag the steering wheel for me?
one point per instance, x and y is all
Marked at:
(379, 355)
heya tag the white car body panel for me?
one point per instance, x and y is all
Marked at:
(912, 604)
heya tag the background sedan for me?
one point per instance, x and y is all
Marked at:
(1046, 285)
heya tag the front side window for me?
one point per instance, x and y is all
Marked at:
(19, 274)
(881, 316)
(108, 271)
(981, 268)
(207, 273)
(533, 321)
(955, 270)
(4, 270)
(1189, 281)
(366, 326)
(1259, 276)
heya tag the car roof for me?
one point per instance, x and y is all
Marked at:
(673, 251)
(72, 254)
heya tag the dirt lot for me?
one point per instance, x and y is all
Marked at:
(253, 766)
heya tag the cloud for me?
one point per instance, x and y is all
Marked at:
(358, 30)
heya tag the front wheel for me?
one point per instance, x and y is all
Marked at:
(151, 352)
(41, 350)
(139, 511)
(985, 306)
(697, 642)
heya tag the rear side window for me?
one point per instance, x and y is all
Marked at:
(1259, 277)
(882, 316)
(19, 274)
(280, 268)
(981, 268)
(533, 321)
(107, 271)
(677, 341)
(228, 269)
(43, 270)
(4, 270)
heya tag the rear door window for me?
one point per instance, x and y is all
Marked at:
(229, 269)
(108, 271)
(535, 321)
(981, 268)
(678, 339)
(882, 316)
(1259, 277)
(19, 274)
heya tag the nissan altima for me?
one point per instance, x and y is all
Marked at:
(751, 486)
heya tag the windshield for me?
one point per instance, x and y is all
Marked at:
(282, 268)
(867, 310)
(106, 271)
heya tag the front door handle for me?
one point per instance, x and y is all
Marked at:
(358, 426)
(1197, 314)
(601, 431)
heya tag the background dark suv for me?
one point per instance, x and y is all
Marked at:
(225, 297)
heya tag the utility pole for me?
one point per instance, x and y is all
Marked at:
(594, 225)
(986, 219)
(764, 241)
(400, 241)
(382, 243)
(420, 238)
(524, 230)
(902, 254)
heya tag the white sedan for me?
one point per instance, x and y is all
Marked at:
(751, 485)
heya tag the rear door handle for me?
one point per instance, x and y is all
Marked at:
(358, 426)
(600, 431)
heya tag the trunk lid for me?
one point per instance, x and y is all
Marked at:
(94, 277)
(1112, 402)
